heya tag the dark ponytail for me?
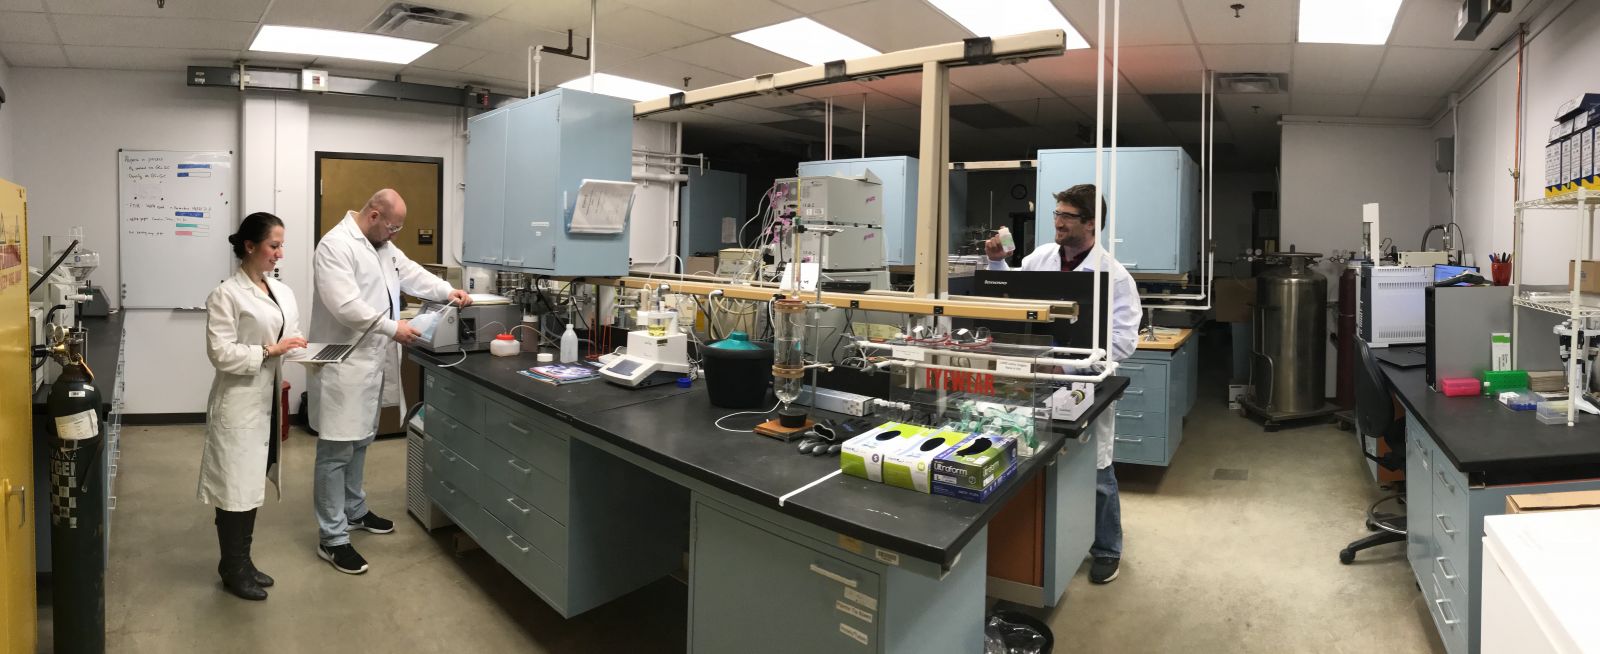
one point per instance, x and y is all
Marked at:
(254, 228)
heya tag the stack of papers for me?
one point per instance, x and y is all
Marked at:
(563, 373)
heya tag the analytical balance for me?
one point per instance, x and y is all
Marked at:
(651, 360)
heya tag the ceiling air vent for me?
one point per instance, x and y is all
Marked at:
(418, 23)
(1251, 83)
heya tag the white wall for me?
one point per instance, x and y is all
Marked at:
(1561, 43)
(8, 119)
(1330, 170)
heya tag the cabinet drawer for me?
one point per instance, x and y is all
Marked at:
(455, 397)
(524, 561)
(531, 438)
(525, 480)
(447, 464)
(1450, 615)
(1141, 423)
(1140, 398)
(1451, 573)
(1452, 526)
(1419, 502)
(1146, 374)
(525, 520)
(1141, 449)
(446, 488)
(451, 431)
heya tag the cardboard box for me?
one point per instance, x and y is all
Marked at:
(1235, 298)
(1587, 278)
(700, 266)
(975, 467)
(912, 468)
(1236, 393)
(863, 455)
(1500, 351)
(1539, 502)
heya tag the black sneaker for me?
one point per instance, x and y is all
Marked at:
(1104, 570)
(371, 522)
(344, 558)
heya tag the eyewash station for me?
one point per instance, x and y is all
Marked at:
(838, 460)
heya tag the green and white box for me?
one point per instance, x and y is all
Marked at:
(912, 467)
(863, 455)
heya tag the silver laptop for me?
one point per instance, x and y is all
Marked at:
(330, 352)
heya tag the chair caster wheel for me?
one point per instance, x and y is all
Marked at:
(1347, 556)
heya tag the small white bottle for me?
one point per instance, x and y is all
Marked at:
(569, 345)
(1007, 243)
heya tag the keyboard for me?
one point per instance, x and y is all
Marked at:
(331, 352)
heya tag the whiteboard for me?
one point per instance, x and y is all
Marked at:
(176, 211)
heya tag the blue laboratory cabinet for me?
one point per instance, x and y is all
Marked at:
(710, 197)
(1154, 215)
(1161, 392)
(525, 162)
(899, 177)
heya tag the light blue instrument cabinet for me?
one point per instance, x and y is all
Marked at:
(1155, 212)
(710, 197)
(899, 177)
(525, 162)
(1161, 392)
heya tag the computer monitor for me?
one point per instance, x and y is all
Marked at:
(1441, 273)
(1048, 285)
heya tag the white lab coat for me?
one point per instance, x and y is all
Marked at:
(240, 318)
(1125, 311)
(355, 285)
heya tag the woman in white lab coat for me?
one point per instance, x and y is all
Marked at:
(251, 322)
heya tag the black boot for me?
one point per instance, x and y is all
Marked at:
(249, 520)
(234, 568)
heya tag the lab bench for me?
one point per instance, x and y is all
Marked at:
(587, 491)
(1464, 455)
(1162, 378)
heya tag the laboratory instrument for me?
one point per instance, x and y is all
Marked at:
(465, 329)
(737, 372)
(650, 360)
(1289, 353)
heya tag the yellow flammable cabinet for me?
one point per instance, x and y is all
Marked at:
(18, 612)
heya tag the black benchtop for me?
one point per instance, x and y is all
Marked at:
(673, 427)
(1493, 444)
(100, 351)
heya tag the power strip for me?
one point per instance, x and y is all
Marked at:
(827, 399)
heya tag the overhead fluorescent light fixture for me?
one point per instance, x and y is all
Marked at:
(1006, 17)
(335, 43)
(621, 87)
(803, 39)
(1355, 22)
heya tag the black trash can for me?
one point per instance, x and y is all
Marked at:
(738, 372)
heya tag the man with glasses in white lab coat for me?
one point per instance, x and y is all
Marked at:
(1075, 249)
(358, 275)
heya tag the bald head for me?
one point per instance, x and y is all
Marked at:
(382, 216)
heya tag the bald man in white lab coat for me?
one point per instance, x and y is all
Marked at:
(1075, 249)
(358, 278)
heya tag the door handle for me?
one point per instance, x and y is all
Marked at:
(521, 469)
(22, 491)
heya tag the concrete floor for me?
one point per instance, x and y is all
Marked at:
(1210, 565)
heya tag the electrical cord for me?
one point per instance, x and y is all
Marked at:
(718, 422)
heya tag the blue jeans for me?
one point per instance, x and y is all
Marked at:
(1107, 515)
(336, 488)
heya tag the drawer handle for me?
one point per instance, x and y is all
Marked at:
(1446, 482)
(447, 390)
(448, 456)
(1445, 524)
(1121, 439)
(448, 488)
(524, 509)
(519, 430)
(448, 422)
(1134, 391)
(1444, 605)
(521, 469)
(513, 540)
(833, 575)
(1136, 415)
(1129, 366)
(1449, 573)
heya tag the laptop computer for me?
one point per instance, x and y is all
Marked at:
(329, 352)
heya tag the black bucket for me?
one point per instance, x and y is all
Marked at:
(738, 379)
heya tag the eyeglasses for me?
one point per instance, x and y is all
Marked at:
(395, 229)
(1068, 214)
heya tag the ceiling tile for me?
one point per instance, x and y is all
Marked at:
(1162, 69)
(115, 58)
(1329, 68)
(478, 8)
(648, 32)
(1247, 58)
(775, 100)
(850, 95)
(733, 57)
(449, 57)
(999, 83)
(720, 16)
(907, 88)
(153, 32)
(668, 72)
(1071, 74)
(815, 6)
(743, 113)
(1424, 71)
(1323, 104)
(1189, 131)
(909, 117)
(1258, 22)
(22, 5)
(23, 55)
(20, 27)
(1156, 22)
(562, 16)
(890, 25)
(356, 67)
(1239, 108)
(514, 68)
(1401, 106)
(1130, 108)
(245, 10)
(1046, 111)
(352, 15)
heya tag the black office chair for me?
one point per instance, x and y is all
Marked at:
(1377, 417)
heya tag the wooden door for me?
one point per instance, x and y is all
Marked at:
(18, 610)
